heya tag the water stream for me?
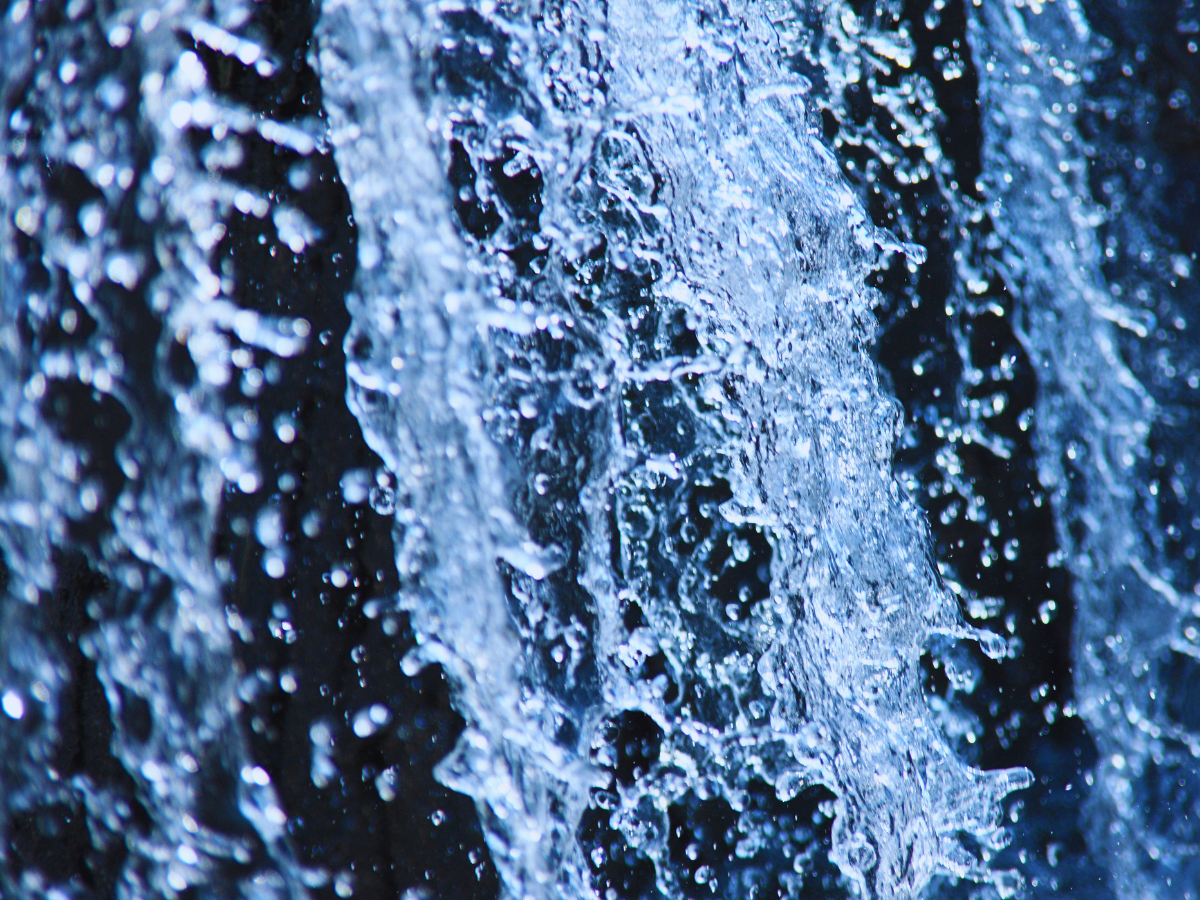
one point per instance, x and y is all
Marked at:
(583, 450)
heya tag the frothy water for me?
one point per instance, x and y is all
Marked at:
(733, 384)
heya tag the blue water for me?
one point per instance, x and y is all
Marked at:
(596, 450)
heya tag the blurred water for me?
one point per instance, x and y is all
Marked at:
(570, 450)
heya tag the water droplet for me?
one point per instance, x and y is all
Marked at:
(13, 705)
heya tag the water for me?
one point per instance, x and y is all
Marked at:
(569, 451)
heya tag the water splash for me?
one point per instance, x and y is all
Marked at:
(94, 308)
(640, 288)
(627, 334)
(1098, 423)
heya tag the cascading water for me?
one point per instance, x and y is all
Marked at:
(714, 346)
(1097, 427)
(557, 450)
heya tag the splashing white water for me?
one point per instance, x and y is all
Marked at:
(161, 645)
(681, 191)
(612, 338)
(1133, 623)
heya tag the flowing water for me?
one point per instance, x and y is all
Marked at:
(608, 450)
